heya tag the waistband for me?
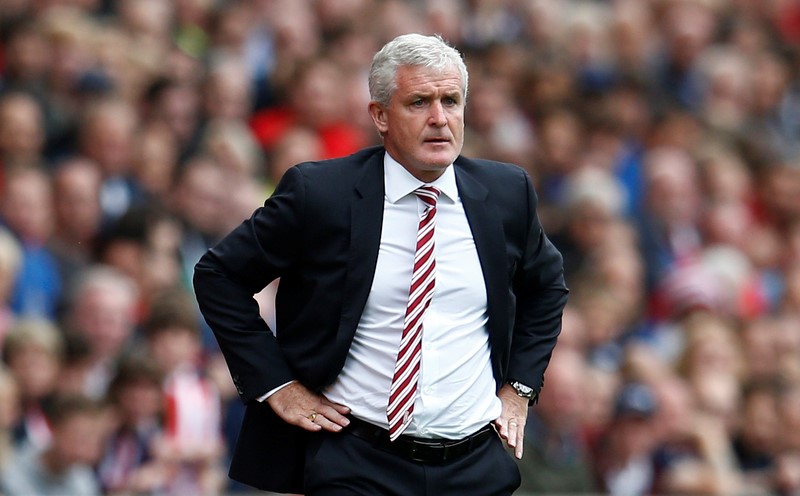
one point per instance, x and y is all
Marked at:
(417, 449)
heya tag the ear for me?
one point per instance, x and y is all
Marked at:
(378, 114)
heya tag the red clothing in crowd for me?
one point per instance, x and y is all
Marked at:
(338, 139)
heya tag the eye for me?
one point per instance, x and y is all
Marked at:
(419, 102)
(450, 101)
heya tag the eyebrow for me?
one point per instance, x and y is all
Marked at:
(428, 94)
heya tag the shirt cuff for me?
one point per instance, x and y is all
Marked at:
(270, 393)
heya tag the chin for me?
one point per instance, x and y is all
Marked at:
(439, 160)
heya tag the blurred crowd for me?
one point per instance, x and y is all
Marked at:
(663, 137)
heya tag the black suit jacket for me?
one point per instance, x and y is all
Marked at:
(320, 233)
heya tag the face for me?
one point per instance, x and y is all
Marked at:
(105, 316)
(140, 401)
(423, 125)
(80, 439)
(174, 347)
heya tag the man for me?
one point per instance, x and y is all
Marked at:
(335, 404)
(80, 428)
(557, 458)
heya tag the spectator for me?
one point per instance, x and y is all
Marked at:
(298, 145)
(199, 198)
(668, 222)
(314, 103)
(694, 455)
(76, 366)
(77, 216)
(557, 457)
(25, 54)
(757, 442)
(106, 136)
(33, 352)
(177, 106)
(686, 113)
(155, 160)
(26, 207)
(624, 452)
(592, 199)
(9, 413)
(191, 448)
(65, 465)
(232, 145)
(103, 309)
(10, 263)
(136, 396)
(227, 91)
(21, 131)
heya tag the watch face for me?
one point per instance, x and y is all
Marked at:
(523, 390)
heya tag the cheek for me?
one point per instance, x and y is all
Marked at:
(457, 126)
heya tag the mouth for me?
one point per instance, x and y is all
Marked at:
(437, 141)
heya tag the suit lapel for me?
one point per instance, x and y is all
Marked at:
(487, 231)
(366, 220)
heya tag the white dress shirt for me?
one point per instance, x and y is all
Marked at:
(456, 390)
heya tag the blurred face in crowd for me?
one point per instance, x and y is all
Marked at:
(78, 439)
(317, 97)
(105, 316)
(36, 370)
(140, 401)
(108, 137)
(26, 205)
(200, 197)
(227, 94)
(77, 199)
(21, 128)
(563, 400)
(156, 158)
(635, 436)
(423, 125)
(179, 108)
(26, 53)
(672, 186)
(174, 347)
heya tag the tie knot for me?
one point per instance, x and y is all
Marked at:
(428, 194)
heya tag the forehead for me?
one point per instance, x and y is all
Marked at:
(415, 78)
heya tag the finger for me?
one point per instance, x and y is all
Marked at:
(341, 409)
(511, 440)
(520, 442)
(308, 421)
(328, 424)
(502, 429)
(335, 412)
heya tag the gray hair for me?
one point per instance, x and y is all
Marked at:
(412, 50)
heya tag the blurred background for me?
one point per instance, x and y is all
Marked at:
(663, 137)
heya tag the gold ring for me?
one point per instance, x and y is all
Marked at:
(313, 416)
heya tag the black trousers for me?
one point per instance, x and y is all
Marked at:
(339, 464)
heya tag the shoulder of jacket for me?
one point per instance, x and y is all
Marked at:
(337, 164)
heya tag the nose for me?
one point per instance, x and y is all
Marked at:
(437, 116)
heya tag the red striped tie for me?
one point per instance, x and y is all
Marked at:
(406, 373)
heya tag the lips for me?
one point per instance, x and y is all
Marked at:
(437, 140)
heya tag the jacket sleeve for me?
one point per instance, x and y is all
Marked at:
(225, 279)
(541, 294)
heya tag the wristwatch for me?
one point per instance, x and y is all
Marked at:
(524, 391)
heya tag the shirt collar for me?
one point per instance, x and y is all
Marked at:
(400, 183)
